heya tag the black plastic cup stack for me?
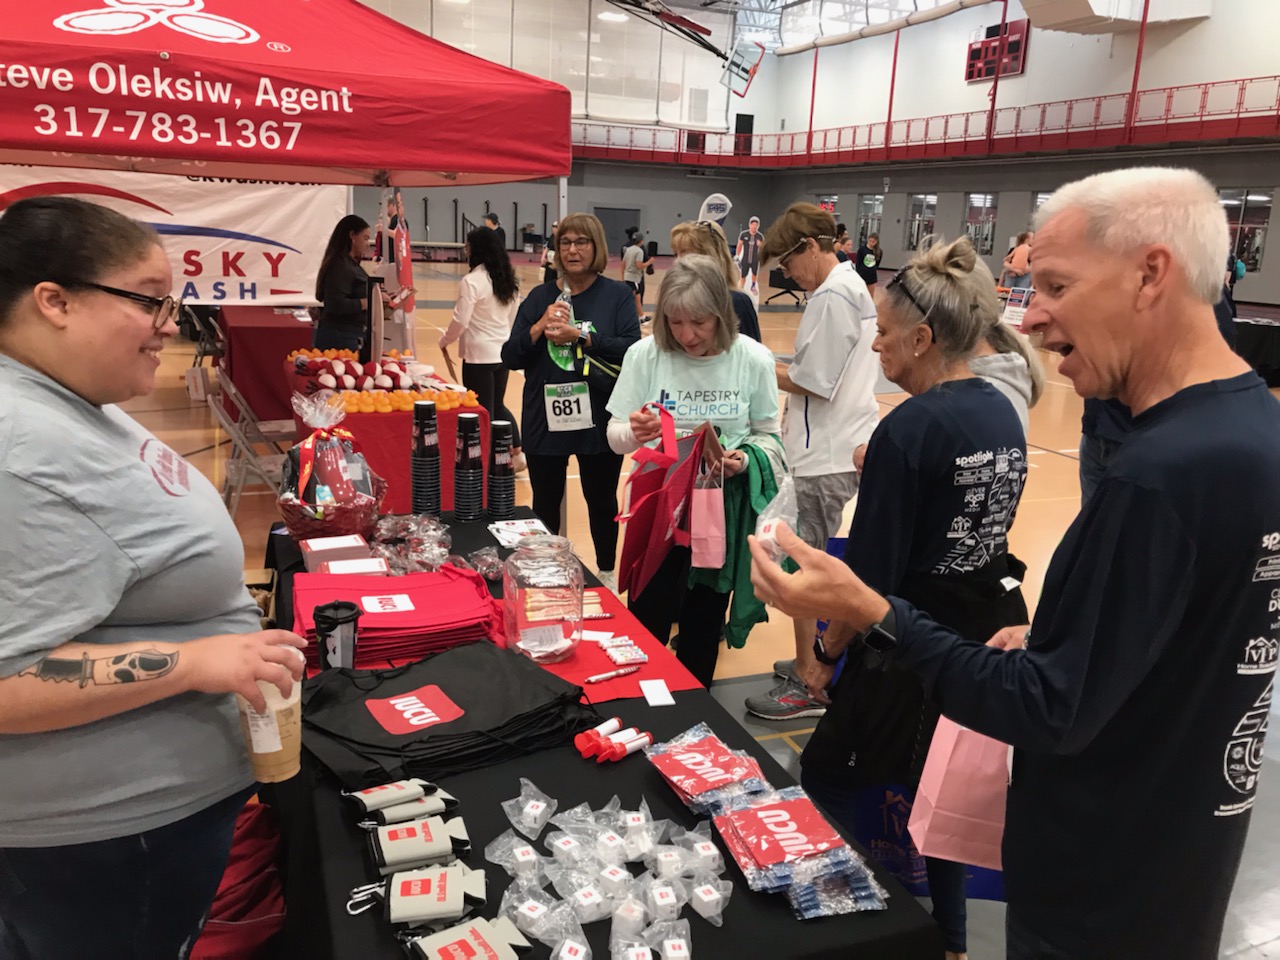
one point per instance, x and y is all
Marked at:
(424, 461)
(468, 470)
(502, 477)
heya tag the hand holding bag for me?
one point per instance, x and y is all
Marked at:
(707, 519)
(959, 807)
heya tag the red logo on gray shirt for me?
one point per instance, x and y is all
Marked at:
(170, 470)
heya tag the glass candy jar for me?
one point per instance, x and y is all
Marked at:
(542, 599)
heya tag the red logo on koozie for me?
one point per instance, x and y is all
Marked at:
(412, 712)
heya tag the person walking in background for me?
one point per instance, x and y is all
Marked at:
(491, 221)
(830, 414)
(843, 240)
(564, 411)
(1017, 263)
(634, 265)
(748, 254)
(342, 287)
(706, 238)
(696, 354)
(1142, 675)
(866, 261)
(549, 256)
(481, 323)
(928, 527)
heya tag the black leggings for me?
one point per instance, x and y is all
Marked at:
(599, 473)
(489, 381)
(699, 610)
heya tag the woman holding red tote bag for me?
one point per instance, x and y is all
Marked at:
(698, 370)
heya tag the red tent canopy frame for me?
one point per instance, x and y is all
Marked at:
(321, 91)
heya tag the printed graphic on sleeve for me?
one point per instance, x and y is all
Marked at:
(994, 480)
(1243, 758)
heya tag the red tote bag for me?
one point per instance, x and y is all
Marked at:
(659, 492)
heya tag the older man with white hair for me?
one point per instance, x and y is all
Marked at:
(1139, 704)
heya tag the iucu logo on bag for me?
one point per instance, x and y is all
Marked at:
(412, 712)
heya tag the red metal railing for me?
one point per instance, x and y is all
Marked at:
(1226, 109)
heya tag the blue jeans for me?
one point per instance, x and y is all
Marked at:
(946, 878)
(327, 338)
(144, 897)
(1095, 454)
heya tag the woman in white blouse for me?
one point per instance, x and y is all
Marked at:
(486, 305)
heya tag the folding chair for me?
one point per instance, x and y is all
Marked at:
(271, 433)
(208, 337)
(246, 464)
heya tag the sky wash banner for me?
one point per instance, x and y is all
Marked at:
(229, 240)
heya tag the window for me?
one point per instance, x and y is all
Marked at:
(920, 213)
(870, 212)
(1248, 211)
(980, 222)
(1039, 199)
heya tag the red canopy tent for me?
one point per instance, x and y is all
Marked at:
(324, 91)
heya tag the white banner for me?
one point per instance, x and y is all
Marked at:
(230, 241)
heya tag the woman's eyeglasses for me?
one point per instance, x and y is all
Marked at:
(580, 243)
(782, 260)
(163, 309)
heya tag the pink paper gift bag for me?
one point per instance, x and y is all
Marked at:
(959, 807)
(706, 521)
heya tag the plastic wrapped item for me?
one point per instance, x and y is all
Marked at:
(577, 821)
(704, 772)
(709, 897)
(640, 832)
(782, 508)
(629, 950)
(667, 861)
(567, 849)
(664, 898)
(670, 940)
(327, 488)
(530, 908)
(854, 892)
(530, 811)
(571, 949)
(487, 562)
(517, 856)
(782, 839)
(707, 858)
(459, 561)
(630, 916)
(615, 881)
(581, 890)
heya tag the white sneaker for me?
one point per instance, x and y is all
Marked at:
(609, 579)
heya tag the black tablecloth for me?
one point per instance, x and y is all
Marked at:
(1259, 344)
(326, 854)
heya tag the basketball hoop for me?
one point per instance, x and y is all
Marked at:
(740, 69)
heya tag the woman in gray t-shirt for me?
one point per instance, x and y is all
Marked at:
(126, 623)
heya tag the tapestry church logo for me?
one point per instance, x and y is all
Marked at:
(131, 16)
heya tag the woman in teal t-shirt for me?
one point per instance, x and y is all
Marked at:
(699, 369)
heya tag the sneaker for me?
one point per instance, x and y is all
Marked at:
(785, 670)
(609, 579)
(787, 701)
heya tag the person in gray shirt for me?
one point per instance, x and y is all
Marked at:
(125, 625)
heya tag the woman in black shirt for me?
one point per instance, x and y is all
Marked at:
(940, 485)
(564, 414)
(342, 287)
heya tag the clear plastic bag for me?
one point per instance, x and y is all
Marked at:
(629, 919)
(853, 892)
(530, 811)
(517, 856)
(709, 897)
(670, 939)
(663, 897)
(581, 890)
(568, 849)
(530, 909)
(704, 772)
(783, 508)
(487, 563)
(706, 856)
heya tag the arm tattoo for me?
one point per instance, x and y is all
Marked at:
(124, 668)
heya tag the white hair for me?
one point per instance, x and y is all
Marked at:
(1141, 206)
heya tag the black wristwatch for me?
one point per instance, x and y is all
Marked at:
(820, 653)
(882, 637)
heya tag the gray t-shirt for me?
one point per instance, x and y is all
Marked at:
(110, 537)
(632, 257)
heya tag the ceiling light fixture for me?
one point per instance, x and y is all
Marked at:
(612, 16)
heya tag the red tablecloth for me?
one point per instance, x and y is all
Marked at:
(257, 340)
(589, 660)
(385, 440)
